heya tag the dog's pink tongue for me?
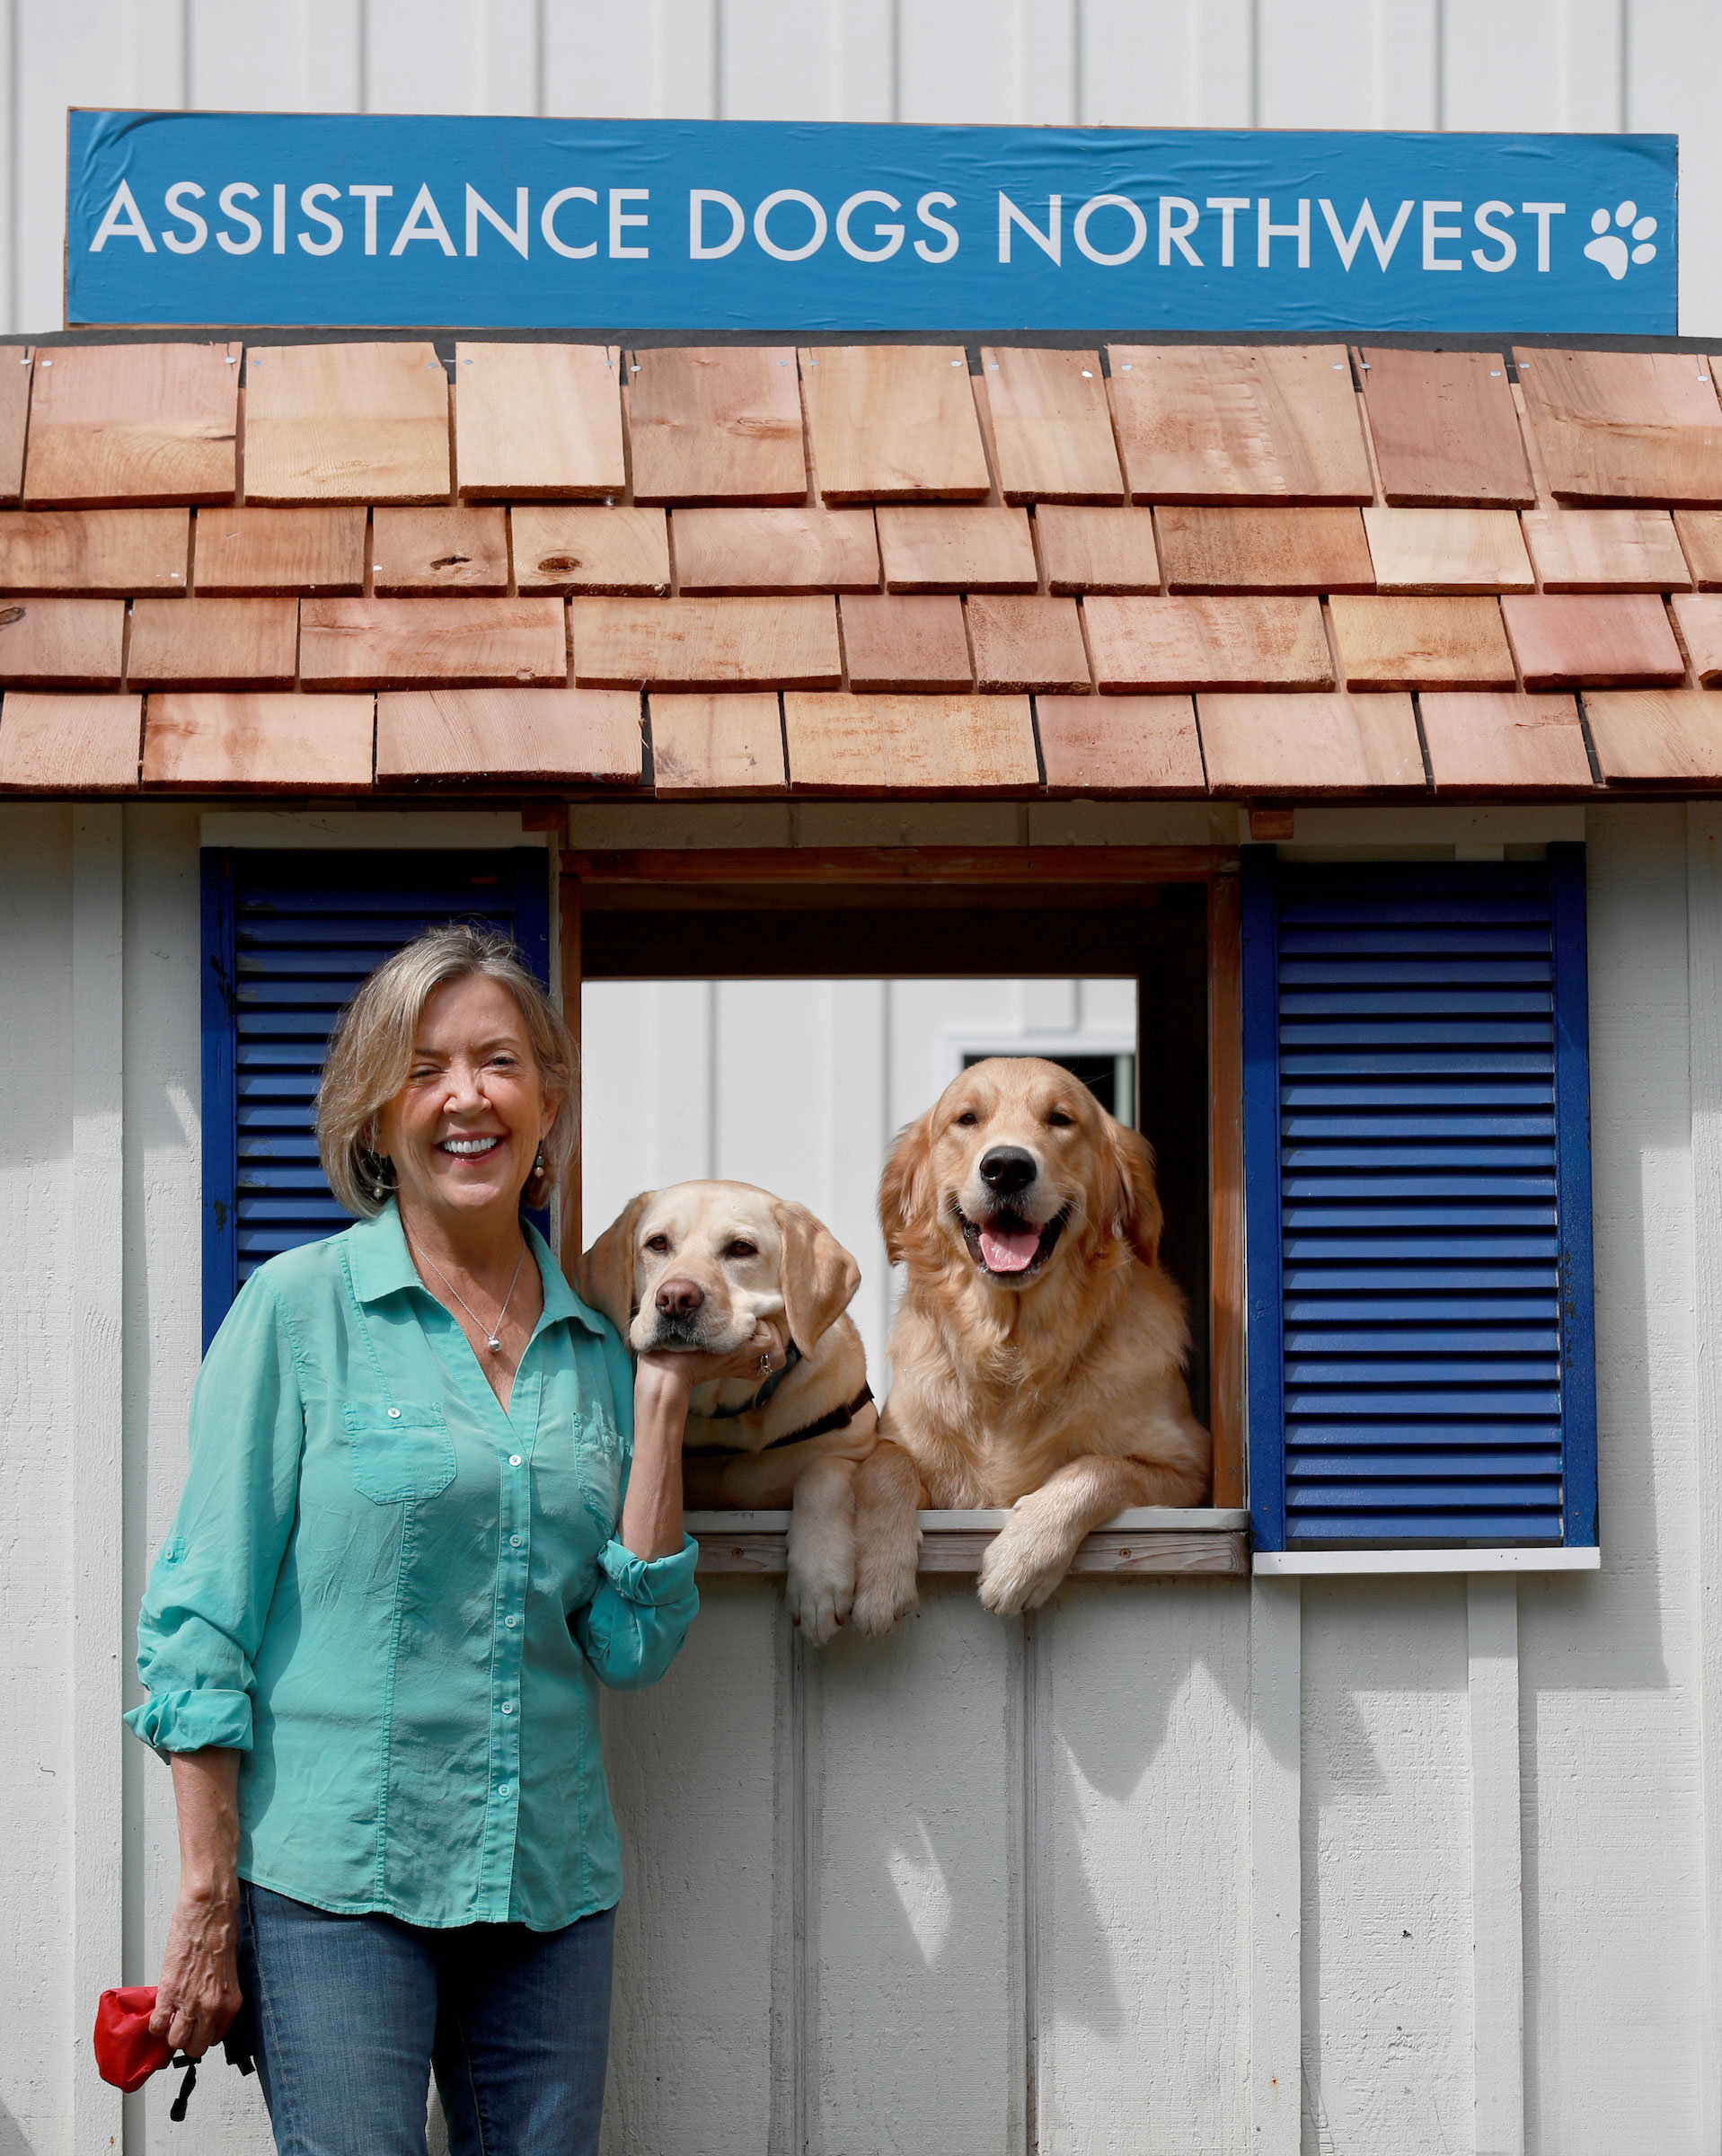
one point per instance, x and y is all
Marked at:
(1011, 1250)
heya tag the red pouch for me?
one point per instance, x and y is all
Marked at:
(125, 2054)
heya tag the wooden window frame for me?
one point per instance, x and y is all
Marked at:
(790, 876)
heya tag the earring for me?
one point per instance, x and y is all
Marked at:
(538, 1165)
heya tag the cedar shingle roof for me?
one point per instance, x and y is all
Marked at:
(1250, 572)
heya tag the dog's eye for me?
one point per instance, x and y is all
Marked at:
(658, 1245)
(742, 1250)
(967, 1119)
(1059, 1120)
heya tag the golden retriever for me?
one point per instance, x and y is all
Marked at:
(1036, 1360)
(700, 1266)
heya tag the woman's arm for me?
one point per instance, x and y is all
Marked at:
(664, 1382)
(198, 1993)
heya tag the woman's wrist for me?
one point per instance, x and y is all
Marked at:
(215, 1886)
(665, 1377)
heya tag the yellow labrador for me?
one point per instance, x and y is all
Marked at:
(1037, 1356)
(700, 1266)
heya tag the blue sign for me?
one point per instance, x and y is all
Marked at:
(285, 220)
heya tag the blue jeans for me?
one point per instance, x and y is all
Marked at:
(353, 2012)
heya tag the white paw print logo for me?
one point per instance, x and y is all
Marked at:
(1610, 250)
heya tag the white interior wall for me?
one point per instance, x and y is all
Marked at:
(798, 1086)
(1528, 65)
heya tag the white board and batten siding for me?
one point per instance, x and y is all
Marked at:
(1179, 1866)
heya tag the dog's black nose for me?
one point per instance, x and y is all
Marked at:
(679, 1298)
(1006, 1169)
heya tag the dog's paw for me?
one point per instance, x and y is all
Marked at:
(883, 1595)
(818, 1602)
(1016, 1575)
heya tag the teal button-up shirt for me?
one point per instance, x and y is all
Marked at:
(397, 1600)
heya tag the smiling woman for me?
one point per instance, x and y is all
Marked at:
(430, 1509)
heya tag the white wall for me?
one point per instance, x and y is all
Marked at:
(800, 1086)
(1590, 65)
(876, 1897)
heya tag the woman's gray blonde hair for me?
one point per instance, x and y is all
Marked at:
(370, 1051)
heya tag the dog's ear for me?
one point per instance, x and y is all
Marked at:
(604, 1276)
(818, 1275)
(906, 1188)
(1132, 1210)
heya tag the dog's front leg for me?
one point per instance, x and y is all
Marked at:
(1033, 1552)
(888, 1537)
(821, 1583)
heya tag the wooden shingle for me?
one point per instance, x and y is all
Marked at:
(1495, 744)
(1263, 423)
(894, 422)
(15, 418)
(1624, 426)
(61, 643)
(1294, 746)
(274, 744)
(279, 553)
(346, 422)
(725, 551)
(1606, 550)
(1447, 551)
(721, 745)
(1606, 643)
(1208, 548)
(1207, 644)
(931, 548)
(213, 644)
(588, 547)
(1420, 644)
(1027, 644)
(69, 744)
(103, 553)
(537, 421)
(133, 423)
(706, 644)
(1651, 736)
(1700, 539)
(1112, 745)
(1701, 627)
(722, 424)
(1097, 549)
(430, 643)
(580, 736)
(1445, 428)
(960, 745)
(915, 644)
(1052, 432)
(420, 553)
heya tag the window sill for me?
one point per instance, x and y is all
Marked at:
(1282, 1564)
(1153, 1539)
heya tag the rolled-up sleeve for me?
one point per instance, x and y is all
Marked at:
(209, 1591)
(634, 1625)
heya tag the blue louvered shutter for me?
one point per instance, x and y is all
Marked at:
(1416, 1131)
(287, 937)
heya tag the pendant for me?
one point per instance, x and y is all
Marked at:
(495, 1345)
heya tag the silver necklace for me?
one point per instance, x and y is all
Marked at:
(492, 1333)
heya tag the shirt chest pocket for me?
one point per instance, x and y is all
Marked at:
(397, 1453)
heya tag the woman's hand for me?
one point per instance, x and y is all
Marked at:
(198, 1993)
(679, 1370)
(652, 1513)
